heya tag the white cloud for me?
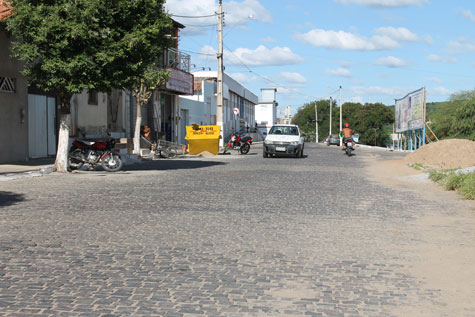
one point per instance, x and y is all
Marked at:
(438, 91)
(242, 78)
(385, 3)
(347, 41)
(356, 99)
(401, 33)
(239, 12)
(292, 77)
(468, 15)
(287, 91)
(236, 13)
(392, 62)
(342, 72)
(442, 59)
(261, 56)
(269, 40)
(461, 45)
(377, 90)
(433, 80)
(345, 64)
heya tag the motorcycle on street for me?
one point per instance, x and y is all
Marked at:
(238, 143)
(349, 144)
(94, 153)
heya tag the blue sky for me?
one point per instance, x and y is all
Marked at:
(377, 50)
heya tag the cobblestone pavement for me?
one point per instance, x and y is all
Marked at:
(235, 235)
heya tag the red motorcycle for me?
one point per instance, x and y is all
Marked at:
(94, 153)
(239, 143)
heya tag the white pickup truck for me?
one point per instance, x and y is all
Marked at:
(284, 139)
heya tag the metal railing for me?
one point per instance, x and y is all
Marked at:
(176, 59)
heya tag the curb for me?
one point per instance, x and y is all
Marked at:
(29, 174)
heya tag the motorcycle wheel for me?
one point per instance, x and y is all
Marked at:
(75, 164)
(245, 148)
(168, 153)
(348, 151)
(111, 163)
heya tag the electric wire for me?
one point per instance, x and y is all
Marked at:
(275, 83)
(194, 16)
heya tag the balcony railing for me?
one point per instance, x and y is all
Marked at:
(176, 59)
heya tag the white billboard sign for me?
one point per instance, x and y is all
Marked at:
(410, 111)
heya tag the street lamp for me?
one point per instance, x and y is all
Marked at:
(316, 123)
(331, 102)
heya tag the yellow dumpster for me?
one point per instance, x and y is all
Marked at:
(203, 138)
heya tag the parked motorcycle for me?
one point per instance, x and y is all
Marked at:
(241, 144)
(94, 153)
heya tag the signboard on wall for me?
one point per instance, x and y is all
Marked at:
(180, 82)
(410, 111)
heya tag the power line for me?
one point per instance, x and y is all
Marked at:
(194, 16)
(205, 54)
(201, 25)
(275, 83)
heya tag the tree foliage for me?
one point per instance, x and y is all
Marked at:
(68, 46)
(454, 118)
(72, 45)
(369, 120)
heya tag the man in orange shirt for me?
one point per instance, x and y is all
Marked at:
(347, 132)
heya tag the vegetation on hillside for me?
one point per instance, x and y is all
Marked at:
(454, 118)
(372, 121)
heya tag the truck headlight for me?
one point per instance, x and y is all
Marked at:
(294, 143)
(268, 142)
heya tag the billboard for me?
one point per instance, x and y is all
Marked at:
(410, 111)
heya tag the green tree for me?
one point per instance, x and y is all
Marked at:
(305, 119)
(371, 121)
(463, 123)
(454, 118)
(73, 45)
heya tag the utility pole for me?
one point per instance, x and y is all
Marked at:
(219, 101)
(316, 122)
(341, 112)
(331, 102)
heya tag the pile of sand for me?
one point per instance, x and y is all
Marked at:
(445, 154)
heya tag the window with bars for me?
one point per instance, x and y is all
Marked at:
(7, 84)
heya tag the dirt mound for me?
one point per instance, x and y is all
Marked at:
(445, 154)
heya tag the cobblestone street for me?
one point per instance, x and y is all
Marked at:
(235, 235)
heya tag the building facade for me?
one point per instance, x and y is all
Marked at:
(27, 115)
(235, 97)
(266, 110)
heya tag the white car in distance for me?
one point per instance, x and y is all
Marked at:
(286, 139)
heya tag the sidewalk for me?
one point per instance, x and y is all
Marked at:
(32, 168)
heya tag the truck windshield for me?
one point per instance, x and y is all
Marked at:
(284, 130)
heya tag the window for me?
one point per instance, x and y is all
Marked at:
(92, 98)
(7, 84)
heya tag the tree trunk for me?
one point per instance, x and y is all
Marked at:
(61, 163)
(138, 123)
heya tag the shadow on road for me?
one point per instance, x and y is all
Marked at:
(162, 165)
(9, 198)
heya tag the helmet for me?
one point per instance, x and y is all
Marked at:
(347, 125)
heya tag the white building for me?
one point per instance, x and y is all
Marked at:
(235, 96)
(266, 110)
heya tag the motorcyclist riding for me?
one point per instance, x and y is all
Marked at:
(347, 132)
